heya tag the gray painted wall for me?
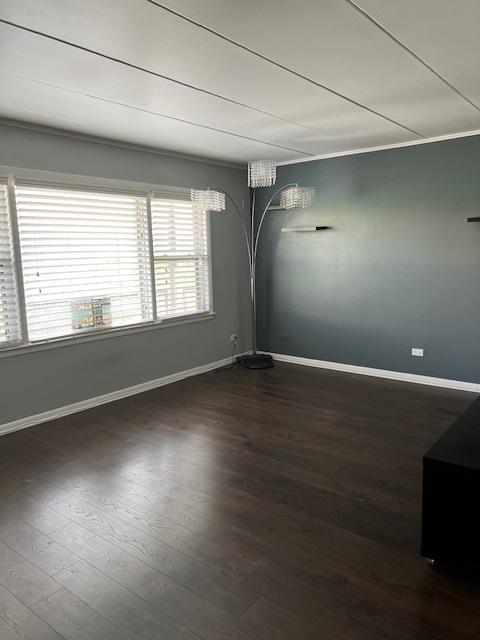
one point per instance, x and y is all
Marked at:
(400, 269)
(38, 381)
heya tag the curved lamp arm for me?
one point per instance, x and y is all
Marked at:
(285, 186)
(244, 228)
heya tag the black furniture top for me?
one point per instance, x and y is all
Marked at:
(460, 444)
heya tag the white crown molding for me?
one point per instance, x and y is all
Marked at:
(76, 407)
(75, 135)
(398, 145)
(379, 373)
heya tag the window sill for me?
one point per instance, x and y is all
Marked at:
(57, 343)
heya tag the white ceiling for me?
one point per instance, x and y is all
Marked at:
(237, 80)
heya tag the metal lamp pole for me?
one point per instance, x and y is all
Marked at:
(254, 360)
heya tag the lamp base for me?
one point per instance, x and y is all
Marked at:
(256, 361)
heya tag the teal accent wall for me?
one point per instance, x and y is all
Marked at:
(399, 269)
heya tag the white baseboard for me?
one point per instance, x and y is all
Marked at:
(76, 407)
(380, 373)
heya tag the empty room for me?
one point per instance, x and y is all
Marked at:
(239, 311)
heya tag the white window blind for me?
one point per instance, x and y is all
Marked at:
(9, 314)
(180, 248)
(85, 260)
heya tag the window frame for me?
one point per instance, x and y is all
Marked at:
(88, 183)
(6, 180)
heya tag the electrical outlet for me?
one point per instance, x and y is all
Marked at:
(233, 337)
(417, 352)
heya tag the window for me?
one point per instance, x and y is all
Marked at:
(9, 315)
(85, 260)
(76, 260)
(180, 249)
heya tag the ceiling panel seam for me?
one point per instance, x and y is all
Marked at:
(406, 48)
(154, 73)
(284, 67)
(163, 115)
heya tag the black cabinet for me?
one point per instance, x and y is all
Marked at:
(451, 495)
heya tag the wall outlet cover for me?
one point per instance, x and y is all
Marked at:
(416, 351)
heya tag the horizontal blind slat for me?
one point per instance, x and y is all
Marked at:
(73, 190)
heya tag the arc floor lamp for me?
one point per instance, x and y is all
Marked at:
(261, 173)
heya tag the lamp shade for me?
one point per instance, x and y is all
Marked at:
(261, 173)
(208, 200)
(297, 197)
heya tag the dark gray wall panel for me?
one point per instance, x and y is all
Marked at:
(399, 269)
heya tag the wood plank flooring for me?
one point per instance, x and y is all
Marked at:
(237, 505)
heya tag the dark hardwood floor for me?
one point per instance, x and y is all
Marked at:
(240, 505)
